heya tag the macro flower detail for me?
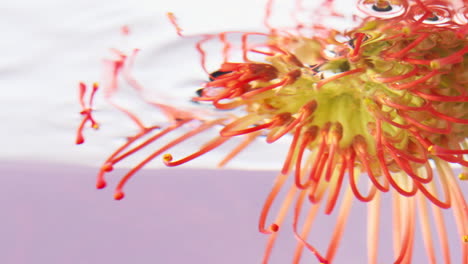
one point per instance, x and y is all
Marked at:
(385, 101)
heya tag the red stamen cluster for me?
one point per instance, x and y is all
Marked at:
(387, 100)
(86, 111)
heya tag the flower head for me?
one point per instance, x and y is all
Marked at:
(386, 100)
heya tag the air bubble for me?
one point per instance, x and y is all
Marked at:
(382, 8)
(440, 15)
(461, 17)
(331, 51)
(433, 18)
(216, 74)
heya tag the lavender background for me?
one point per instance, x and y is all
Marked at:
(51, 213)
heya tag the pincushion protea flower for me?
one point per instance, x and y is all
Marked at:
(386, 101)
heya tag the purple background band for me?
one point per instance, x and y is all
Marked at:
(52, 214)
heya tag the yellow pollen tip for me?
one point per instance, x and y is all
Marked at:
(435, 65)
(463, 176)
(274, 228)
(107, 167)
(465, 238)
(431, 149)
(119, 195)
(95, 126)
(406, 30)
(167, 157)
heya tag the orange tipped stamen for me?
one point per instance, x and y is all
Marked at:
(212, 145)
(119, 195)
(116, 158)
(269, 202)
(173, 21)
(278, 222)
(274, 228)
(86, 111)
(101, 184)
(463, 176)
